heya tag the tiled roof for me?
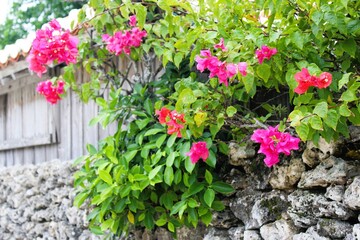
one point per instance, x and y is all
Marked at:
(19, 50)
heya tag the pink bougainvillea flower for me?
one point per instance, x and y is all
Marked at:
(122, 42)
(265, 52)
(324, 80)
(132, 20)
(221, 45)
(272, 143)
(306, 80)
(52, 44)
(174, 120)
(163, 114)
(242, 67)
(198, 150)
(50, 91)
(222, 70)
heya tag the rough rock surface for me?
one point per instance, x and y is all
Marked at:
(255, 209)
(315, 197)
(352, 195)
(306, 208)
(333, 228)
(287, 175)
(36, 203)
(278, 230)
(331, 171)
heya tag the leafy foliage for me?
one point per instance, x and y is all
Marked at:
(141, 176)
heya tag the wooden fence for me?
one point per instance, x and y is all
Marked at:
(33, 131)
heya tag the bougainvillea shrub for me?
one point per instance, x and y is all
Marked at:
(161, 167)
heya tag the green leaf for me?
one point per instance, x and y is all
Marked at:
(177, 206)
(222, 187)
(153, 131)
(140, 14)
(186, 97)
(149, 220)
(264, 71)
(161, 222)
(344, 80)
(344, 110)
(298, 39)
(332, 119)
(192, 203)
(160, 140)
(200, 118)
(168, 175)
(248, 82)
(171, 140)
(303, 131)
(209, 196)
(207, 218)
(154, 172)
(170, 159)
(348, 96)
(194, 188)
(349, 46)
(105, 176)
(218, 206)
(189, 166)
(208, 177)
(130, 155)
(321, 109)
(316, 123)
(80, 198)
(178, 58)
(178, 176)
(230, 111)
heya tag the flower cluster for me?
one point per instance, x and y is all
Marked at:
(124, 41)
(52, 44)
(306, 80)
(51, 91)
(198, 150)
(217, 68)
(265, 53)
(272, 143)
(172, 119)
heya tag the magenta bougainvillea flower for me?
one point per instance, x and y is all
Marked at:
(173, 120)
(272, 143)
(123, 41)
(132, 20)
(198, 150)
(265, 53)
(52, 44)
(50, 91)
(220, 69)
(221, 45)
(306, 80)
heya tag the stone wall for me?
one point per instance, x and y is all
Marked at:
(312, 194)
(36, 203)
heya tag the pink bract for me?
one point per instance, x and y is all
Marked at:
(132, 20)
(174, 120)
(306, 80)
(52, 44)
(265, 52)
(221, 45)
(122, 42)
(272, 143)
(222, 70)
(50, 91)
(198, 151)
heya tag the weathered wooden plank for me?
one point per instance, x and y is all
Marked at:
(77, 128)
(40, 126)
(90, 132)
(2, 127)
(28, 121)
(12, 144)
(64, 133)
